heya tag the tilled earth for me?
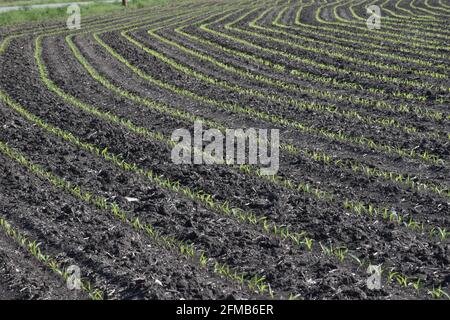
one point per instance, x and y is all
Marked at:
(373, 104)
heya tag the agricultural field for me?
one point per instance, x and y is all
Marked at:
(358, 209)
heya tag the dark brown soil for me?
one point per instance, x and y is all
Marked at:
(126, 264)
